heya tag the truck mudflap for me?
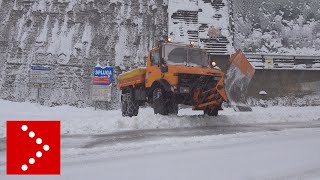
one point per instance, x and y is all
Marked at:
(237, 79)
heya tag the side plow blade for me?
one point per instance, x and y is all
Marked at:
(237, 79)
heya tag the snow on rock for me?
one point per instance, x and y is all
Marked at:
(192, 20)
(71, 36)
(39, 6)
(15, 5)
(278, 27)
(71, 5)
(87, 38)
(44, 32)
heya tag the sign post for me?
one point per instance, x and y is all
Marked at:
(102, 84)
(39, 77)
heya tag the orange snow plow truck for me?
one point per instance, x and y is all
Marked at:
(182, 74)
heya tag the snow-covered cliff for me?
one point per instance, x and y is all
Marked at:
(72, 36)
(278, 27)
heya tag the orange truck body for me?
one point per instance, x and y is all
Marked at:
(173, 76)
(148, 77)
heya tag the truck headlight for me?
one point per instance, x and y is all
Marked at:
(214, 64)
(184, 89)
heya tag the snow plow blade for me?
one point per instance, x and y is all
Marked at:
(237, 79)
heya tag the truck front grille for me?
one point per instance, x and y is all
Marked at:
(197, 81)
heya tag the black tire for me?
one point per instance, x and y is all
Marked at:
(211, 112)
(159, 101)
(173, 107)
(130, 107)
(124, 105)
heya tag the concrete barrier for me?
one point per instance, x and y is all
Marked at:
(280, 83)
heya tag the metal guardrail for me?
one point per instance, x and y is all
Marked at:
(261, 61)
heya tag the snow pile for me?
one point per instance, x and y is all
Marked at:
(308, 100)
(88, 121)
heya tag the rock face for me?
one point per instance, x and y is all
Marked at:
(277, 27)
(72, 36)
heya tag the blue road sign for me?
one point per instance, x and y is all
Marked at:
(103, 76)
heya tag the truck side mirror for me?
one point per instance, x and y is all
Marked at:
(164, 68)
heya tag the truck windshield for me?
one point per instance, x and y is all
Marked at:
(186, 56)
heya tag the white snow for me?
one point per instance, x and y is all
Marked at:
(87, 38)
(286, 154)
(54, 43)
(20, 24)
(61, 41)
(88, 121)
(65, 45)
(40, 6)
(43, 34)
(206, 17)
(15, 5)
(71, 5)
(288, 36)
(121, 46)
(263, 93)
(289, 154)
(178, 28)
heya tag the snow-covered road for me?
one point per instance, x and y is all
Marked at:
(292, 154)
(269, 143)
(286, 154)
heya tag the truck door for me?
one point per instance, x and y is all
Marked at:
(153, 67)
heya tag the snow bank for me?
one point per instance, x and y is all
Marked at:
(308, 100)
(88, 121)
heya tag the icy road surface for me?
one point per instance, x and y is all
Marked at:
(269, 143)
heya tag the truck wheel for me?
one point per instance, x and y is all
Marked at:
(133, 105)
(159, 101)
(173, 107)
(124, 105)
(130, 107)
(211, 112)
